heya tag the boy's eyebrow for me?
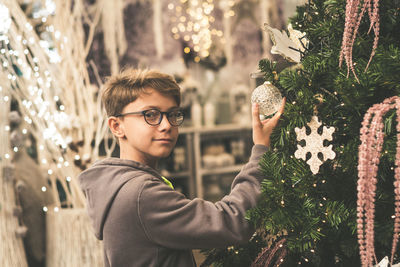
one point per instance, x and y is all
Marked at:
(157, 107)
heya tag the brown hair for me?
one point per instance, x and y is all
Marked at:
(125, 87)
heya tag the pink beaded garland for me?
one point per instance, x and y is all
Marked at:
(354, 14)
(371, 136)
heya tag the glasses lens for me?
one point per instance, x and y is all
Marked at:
(152, 116)
(175, 117)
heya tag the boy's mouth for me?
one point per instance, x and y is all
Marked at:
(163, 140)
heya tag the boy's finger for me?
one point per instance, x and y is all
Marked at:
(278, 114)
(255, 114)
(282, 107)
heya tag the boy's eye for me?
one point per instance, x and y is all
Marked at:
(175, 118)
(175, 114)
(152, 114)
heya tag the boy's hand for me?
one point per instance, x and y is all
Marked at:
(262, 129)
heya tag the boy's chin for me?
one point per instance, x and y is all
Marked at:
(164, 154)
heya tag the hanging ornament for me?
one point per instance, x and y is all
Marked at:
(268, 97)
(314, 144)
(290, 47)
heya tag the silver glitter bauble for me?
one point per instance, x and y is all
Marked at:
(268, 98)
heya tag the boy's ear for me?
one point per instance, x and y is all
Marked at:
(115, 126)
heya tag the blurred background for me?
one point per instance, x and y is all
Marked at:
(55, 56)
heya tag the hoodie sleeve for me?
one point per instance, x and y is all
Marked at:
(171, 220)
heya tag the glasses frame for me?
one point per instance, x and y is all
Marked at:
(143, 113)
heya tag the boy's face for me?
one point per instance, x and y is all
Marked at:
(143, 142)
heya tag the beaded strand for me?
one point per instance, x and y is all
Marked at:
(372, 137)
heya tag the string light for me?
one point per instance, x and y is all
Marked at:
(193, 21)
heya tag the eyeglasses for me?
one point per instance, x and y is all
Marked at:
(155, 116)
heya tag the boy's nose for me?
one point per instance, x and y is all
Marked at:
(165, 122)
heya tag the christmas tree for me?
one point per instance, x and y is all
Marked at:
(307, 215)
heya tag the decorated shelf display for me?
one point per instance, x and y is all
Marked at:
(268, 97)
(314, 144)
(290, 47)
(372, 135)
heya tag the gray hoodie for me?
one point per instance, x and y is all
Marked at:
(143, 222)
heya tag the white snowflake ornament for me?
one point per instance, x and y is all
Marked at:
(314, 144)
(385, 263)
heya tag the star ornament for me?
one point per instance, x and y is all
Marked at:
(290, 47)
(314, 144)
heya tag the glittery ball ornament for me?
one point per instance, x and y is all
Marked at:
(268, 98)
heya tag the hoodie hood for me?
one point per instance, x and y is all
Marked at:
(102, 182)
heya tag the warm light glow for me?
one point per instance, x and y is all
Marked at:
(196, 20)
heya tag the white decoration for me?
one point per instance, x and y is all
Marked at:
(209, 114)
(268, 97)
(5, 20)
(157, 28)
(290, 47)
(314, 144)
(385, 263)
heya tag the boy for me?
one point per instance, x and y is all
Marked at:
(134, 210)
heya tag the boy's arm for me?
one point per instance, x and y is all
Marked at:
(171, 220)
